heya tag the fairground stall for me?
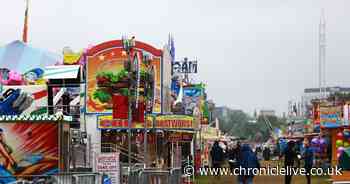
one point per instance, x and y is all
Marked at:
(208, 136)
(333, 144)
(36, 137)
(123, 91)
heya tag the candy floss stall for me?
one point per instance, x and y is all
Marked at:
(334, 124)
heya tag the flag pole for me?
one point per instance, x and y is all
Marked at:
(25, 26)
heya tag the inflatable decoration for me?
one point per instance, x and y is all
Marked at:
(315, 141)
(346, 144)
(34, 76)
(322, 141)
(339, 143)
(346, 134)
(14, 102)
(11, 78)
(340, 135)
(340, 150)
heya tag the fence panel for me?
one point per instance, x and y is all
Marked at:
(66, 178)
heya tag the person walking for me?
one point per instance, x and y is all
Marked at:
(289, 158)
(308, 157)
(247, 161)
(217, 155)
(267, 153)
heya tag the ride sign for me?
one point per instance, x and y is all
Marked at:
(185, 66)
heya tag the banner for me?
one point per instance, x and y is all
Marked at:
(28, 149)
(108, 58)
(330, 115)
(180, 137)
(107, 122)
(108, 163)
(192, 98)
(174, 121)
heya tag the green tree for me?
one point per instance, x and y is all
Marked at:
(236, 123)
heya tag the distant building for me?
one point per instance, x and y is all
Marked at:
(304, 107)
(314, 93)
(267, 113)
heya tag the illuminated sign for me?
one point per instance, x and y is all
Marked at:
(107, 122)
(330, 114)
(174, 121)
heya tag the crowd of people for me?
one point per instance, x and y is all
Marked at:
(241, 155)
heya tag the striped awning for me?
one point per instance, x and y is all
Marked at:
(61, 72)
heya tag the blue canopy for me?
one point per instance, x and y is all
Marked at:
(21, 57)
(331, 125)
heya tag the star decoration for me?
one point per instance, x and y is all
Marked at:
(102, 57)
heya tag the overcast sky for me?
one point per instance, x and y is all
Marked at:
(253, 54)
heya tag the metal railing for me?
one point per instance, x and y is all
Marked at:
(111, 147)
(154, 176)
(62, 178)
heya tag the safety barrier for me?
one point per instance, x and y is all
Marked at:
(175, 175)
(154, 176)
(62, 178)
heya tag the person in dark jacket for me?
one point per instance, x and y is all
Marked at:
(217, 155)
(267, 153)
(289, 157)
(308, 157)
(249, 161)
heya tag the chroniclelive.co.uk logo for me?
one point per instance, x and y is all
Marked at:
(270, 171)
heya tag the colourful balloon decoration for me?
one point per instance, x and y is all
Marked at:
(339, 143)
(322, 142)
(340, 135)
(338, 155)
(340, 150)
(346, 144)
(315, 141)
(346, 134)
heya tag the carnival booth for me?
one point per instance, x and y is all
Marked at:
(36, 141)
(33, 141)
(123, 91)
(333, 121)
(208, 136)
(177, 144)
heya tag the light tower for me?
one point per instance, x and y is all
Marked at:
(322, 55)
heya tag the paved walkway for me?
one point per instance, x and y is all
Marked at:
(261, 180)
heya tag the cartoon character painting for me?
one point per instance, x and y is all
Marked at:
(27, 149)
